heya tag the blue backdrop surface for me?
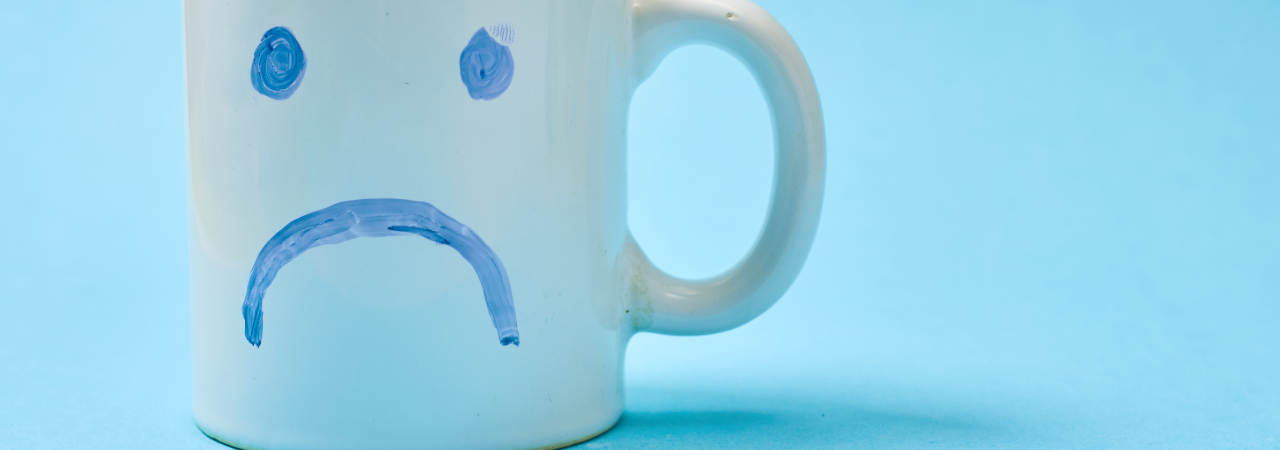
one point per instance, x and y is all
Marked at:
(1047, 225)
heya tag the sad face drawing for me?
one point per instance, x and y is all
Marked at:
(279, 68)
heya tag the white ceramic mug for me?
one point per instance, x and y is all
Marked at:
(494, 127)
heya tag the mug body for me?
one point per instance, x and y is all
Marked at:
(506, 115)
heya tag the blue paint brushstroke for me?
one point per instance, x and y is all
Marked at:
(278, 64)
(487, 66)
(380, 217)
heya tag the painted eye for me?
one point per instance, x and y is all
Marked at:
(278, 64)
(486, 63)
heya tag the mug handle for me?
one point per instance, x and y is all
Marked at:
(665, 304)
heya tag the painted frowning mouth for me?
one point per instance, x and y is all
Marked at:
(380, 218)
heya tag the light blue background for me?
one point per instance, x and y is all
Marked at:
(1047, 225)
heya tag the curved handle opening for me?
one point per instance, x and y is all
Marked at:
(670, 305)
(699, 163)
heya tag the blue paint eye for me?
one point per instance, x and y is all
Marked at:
(278, 64)
(486, 65)
(380, 217)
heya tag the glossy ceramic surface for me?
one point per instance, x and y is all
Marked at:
(509, 116)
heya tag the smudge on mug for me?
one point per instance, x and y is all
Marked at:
(378, 218)
(486, 65)
(504, 33)
(278, 64)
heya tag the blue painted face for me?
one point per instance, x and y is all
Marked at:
(278, 67)
(278, 64)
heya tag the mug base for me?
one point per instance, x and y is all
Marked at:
(233, 444)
